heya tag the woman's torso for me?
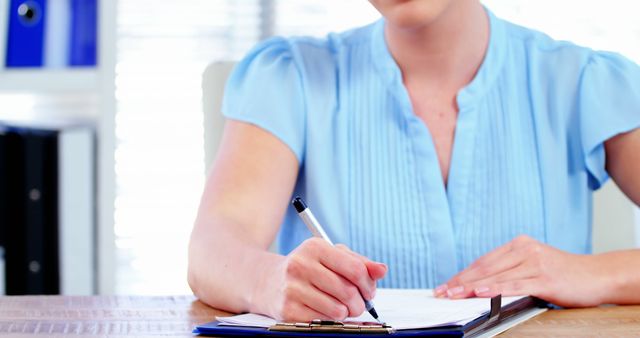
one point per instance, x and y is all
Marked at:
(370, 172)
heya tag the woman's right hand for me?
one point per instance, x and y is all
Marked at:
(318, 281)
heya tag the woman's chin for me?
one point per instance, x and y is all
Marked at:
(411, 14)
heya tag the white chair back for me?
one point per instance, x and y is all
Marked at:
(213, 82)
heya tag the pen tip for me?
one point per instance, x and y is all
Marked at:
(374, 314)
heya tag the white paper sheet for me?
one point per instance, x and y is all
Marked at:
(247, 319)
(412, 309)
(402, 309)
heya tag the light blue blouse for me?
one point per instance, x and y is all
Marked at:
(528, 148)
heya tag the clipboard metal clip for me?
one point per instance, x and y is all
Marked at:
(331, 326)
(492, 318)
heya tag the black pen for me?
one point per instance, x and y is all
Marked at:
(314, 226)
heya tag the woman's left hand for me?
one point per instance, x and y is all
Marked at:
(525, 266)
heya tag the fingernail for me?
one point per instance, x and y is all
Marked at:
(481, 290)
(441, 290)
(455, 291)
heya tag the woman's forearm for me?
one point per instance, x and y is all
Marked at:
(225, 268)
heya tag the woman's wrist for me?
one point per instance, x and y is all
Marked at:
(260, 299)
(619, 281)
(596, 280)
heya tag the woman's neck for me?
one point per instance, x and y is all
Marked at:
(446, 52)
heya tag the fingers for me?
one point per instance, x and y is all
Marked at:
(345, 292)
(484, 269)
(471, 289)
(376, 270)
(474, 270)
(298, 289)
(507, 266)
(331, 281)
(518, 287)
(351, 268)
(299, 312)
(322, 303)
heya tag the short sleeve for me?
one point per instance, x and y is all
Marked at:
(265, 89)
(609, 104)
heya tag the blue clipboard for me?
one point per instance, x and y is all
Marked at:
(214, 329)
(495, 316)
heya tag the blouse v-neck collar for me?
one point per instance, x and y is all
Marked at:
(475, 90)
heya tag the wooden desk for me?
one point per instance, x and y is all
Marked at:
(136, 316)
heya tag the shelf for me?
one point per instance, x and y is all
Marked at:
(46, 80)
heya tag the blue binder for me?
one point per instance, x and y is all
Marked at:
(25, 40)
(52, 33)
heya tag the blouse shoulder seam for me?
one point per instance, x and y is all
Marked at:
(541, 41)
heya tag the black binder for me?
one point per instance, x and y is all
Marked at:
(30, 223)
(3, 201)
(47, 209)
(3, 190)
